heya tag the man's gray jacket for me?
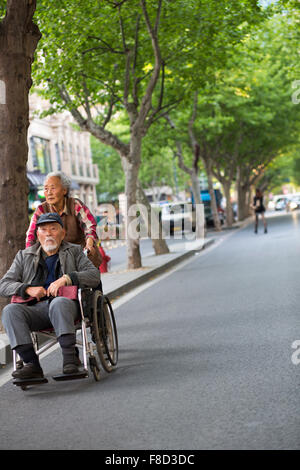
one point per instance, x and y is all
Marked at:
(25, 265)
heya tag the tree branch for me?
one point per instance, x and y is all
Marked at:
(178, 153)
(90, 126)
(116, 4)
(159, 107)
(86, 99)
(122, 30)
(181, 163)
(146, 101)
(109, 112)
(106, 48)
(134, 62)
(192, 122)
(164, 111)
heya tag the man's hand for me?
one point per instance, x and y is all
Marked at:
(52, 290)
(36, 292)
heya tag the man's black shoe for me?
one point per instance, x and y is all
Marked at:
(29, 371)
(70, 369)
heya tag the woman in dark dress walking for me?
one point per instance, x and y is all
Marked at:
(259, 208)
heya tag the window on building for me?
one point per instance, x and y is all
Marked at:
(63, 153)
(40, 151)
(73, 166)
(58, 159)
(87, 156)
(88, 171)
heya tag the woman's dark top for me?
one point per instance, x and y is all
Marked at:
(259, 205)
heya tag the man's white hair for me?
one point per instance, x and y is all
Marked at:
(65, 180)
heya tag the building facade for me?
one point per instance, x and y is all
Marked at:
(56, 144)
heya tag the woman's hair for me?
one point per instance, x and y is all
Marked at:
(258, 192)
(65, 180)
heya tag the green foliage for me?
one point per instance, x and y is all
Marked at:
(82, 52)
(82, 46)
(159, 165)
(247, 112)
(2, 8)
(279, 172)
(111, 175)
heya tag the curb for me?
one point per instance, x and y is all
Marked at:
(5, 350)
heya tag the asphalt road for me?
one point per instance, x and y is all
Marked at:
(205, 360)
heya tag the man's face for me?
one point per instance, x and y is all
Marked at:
(54, 190)
(50, 236)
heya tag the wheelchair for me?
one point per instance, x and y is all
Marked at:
(98, 339)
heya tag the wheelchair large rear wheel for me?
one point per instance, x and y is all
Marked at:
(105, 332)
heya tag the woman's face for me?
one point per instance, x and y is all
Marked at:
(54, 191)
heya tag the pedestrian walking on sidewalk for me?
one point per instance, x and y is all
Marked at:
(79, 223)
(259, 208)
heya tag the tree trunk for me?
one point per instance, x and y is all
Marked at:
(242, 201)
(213, 202)
(248, 202)
(242, 190)
(131, 167)
(229, 215)
(19, 37)
(154, 225)
(200, 226)
(196, 188)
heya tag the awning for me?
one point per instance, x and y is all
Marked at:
(36, 179)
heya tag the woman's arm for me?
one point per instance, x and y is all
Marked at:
(87, 221)
(31, 232)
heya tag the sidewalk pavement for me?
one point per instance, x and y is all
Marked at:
(122, 280)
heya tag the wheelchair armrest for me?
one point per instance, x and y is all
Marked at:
(84, 290)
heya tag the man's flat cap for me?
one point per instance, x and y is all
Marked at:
(49, 217)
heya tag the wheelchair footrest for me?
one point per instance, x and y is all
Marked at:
(78, 375)
(25, 382)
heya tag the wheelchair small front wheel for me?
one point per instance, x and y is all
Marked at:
(95, 368)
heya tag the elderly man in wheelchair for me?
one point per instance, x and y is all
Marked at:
(55, 290)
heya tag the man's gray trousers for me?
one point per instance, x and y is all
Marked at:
(20, 319)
